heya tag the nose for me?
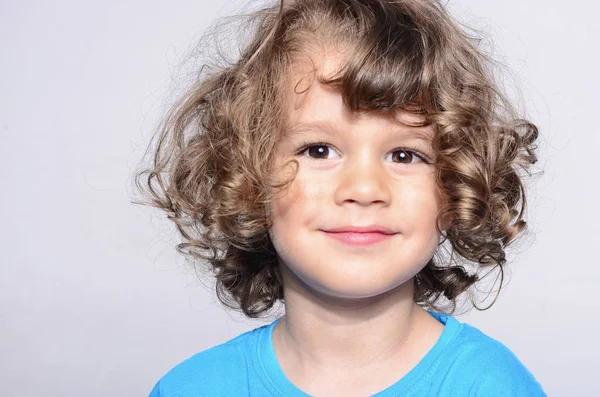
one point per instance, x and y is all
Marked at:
(364, 182)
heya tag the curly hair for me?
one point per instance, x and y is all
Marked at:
(212, 167)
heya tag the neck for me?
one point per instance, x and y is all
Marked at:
(320, 335)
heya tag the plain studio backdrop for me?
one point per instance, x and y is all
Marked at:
(94, 299)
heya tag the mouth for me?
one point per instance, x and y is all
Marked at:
(352, 236)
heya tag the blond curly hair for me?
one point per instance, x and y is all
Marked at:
(212, 166)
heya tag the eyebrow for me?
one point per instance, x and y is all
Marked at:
(320, 126)
(328, 128)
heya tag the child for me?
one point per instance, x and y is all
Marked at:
(327, 168)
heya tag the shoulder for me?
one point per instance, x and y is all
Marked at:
(488, 367)
(217, 371)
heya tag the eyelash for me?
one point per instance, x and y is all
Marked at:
(307, 145)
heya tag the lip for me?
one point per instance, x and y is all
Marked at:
(361, 229)
(360, 235)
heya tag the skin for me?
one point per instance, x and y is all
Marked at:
(351, 326)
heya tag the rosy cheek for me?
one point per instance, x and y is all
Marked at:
(303, 201)
(287, 201)
(316, 190)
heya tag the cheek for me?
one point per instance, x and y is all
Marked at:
(286, 216)
(419, 204)
(302, 199)
(295, 213)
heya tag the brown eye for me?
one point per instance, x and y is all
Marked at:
(319, 152)
(405, 156)
(402, 156)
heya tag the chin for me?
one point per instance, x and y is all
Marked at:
(354, 286)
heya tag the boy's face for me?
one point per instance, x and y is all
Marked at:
(355, 174)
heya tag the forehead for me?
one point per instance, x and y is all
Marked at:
(312, 105)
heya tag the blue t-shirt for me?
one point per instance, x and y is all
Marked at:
(463, 362)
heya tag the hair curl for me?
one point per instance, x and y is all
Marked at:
(212, 171)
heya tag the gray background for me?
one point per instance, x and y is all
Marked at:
(94, 299)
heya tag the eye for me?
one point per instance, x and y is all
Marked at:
(405, 156)
(319, 151)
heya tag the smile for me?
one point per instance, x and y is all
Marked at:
(356, 238)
